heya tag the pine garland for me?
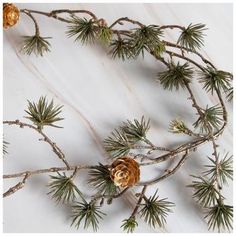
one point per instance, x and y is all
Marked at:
(130, 139)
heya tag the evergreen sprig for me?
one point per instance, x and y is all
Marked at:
(155, 210)
(83, 29)
(147, 38)
(87, 212)
(205, 191)
(213, 79)
(136, 130)
(105, 34)
(121, 48)
(35, 44)
(117, 144)
(192, 37)
(43, 113)
(224, 169)
(210, 119)
(176, 76)
(178, 126)
(220, 216)
(62, 188)
(122, 140)
(129, 225)
(99, 177)
(230, 94)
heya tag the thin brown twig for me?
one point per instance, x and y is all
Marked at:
(119, 21)
(139, 201)
(169, 173)
(46, 171)
(17, 187)
(54, 146)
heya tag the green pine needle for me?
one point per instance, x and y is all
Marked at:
(117, 144)
(83, 29)
(220, 217)
(136, 130)
(230, 94)
(178, 126)
(87, 212)
(192, 37)
(215, 79)
(122, 49)
(105, 35)
(155, 210)
(43, 113)
(225, 169)
(100, 179)
(62, 188)
(204, 191)
(35, 44)
(129, 225)
(147, 38)
(176, 76)
(211, 119)
(122, 140)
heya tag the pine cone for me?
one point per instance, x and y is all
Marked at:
(125, 172)
(11, 15)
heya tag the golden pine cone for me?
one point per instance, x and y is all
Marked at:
(125, 172)
(11, 15)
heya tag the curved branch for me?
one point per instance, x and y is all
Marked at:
(54, 146)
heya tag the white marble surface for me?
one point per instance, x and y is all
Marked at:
(98, 93)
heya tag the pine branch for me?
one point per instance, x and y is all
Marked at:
(105, 35)
(129, 225)
(83, 29)
(117, 144)
(135, 131)
(43, 113)
(155, 210)
(178, 126)
(176, 76)
(220, 216)
(35, 44)
(205, 191)
(99, 178)
(210, 119)
(122, 49)
(213, 79)
(192, 37)
(62, 188)
(87, 212)
(147, 38)
(225, 169)
(230, 94)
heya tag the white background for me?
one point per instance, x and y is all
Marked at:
(98, 93)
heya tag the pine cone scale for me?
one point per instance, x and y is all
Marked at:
(125, 172)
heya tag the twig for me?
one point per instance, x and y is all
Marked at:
(17, 187)
(139, 201)
(189, 50)
(55, 148)
(27, 12)
(45, 171)
(172, 27)
(169, 173)
(119, 21)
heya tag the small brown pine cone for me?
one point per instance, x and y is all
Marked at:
(11, 15)
(125, 172)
